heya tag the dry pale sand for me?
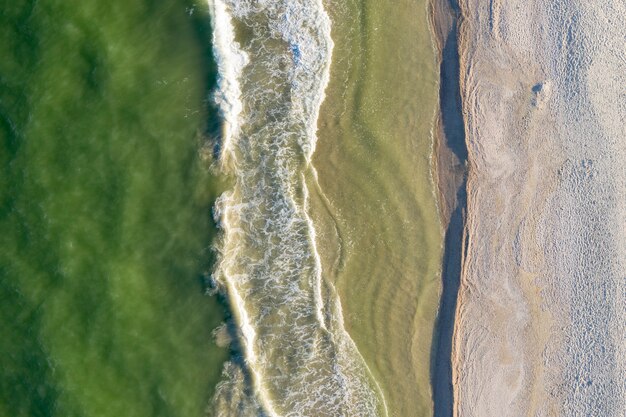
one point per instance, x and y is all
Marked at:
(540, 322)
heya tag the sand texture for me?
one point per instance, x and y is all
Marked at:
(540, 321)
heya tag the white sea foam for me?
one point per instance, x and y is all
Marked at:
(226, 214)
(298, 359)
(230, 62)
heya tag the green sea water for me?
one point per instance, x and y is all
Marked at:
(105, 222)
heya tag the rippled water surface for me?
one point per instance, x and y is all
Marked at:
(105, 209)
(278, 152)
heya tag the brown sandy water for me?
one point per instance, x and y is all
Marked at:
(375, 206)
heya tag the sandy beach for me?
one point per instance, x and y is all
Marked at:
(540, 320)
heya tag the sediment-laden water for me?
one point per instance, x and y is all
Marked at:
(376, 205)
(331, 274)
(274, 60)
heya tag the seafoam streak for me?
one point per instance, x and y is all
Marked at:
(230, 61)
(297, 359)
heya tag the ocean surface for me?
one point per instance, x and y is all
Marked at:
(312, 208)
(158, 154)
(105, 209)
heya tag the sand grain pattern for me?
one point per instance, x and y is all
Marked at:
(539, 328)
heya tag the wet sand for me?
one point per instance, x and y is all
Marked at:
(449, 159)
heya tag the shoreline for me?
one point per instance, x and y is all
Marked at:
(449, 166)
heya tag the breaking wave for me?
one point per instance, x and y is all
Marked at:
(296, 359)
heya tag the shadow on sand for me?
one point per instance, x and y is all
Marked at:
(454, 139)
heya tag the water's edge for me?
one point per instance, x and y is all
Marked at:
(450, 170)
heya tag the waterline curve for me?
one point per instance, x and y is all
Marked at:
(297, 357)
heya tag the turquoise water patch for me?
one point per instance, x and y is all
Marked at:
(105, 223)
